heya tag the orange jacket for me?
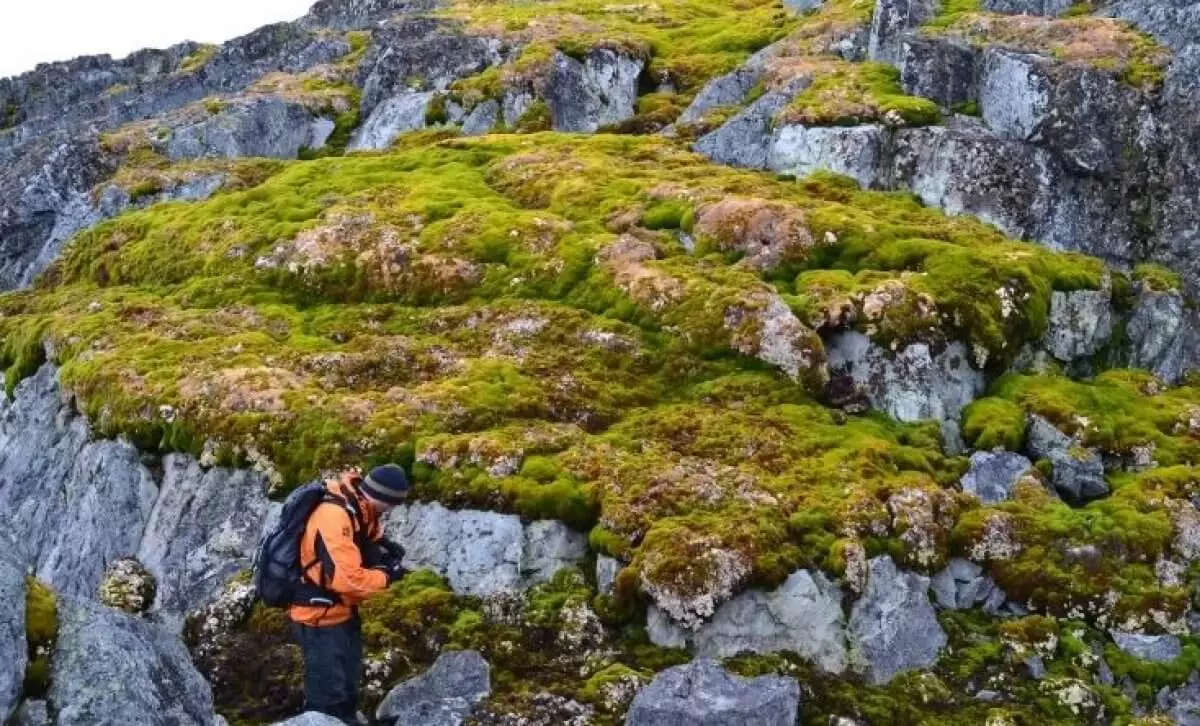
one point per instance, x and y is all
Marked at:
(329, 549)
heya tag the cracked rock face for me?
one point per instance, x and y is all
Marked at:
(204, 528)
(915, 384)
(445, 695)
(1155, 648)
(483, 553)
(993, 475)
(600, 90)
(73, 505)
(893, 626)
(110, 667)
(702, 693)
(1080, 324)
(1078, 473)
(12, 634)
(803, 615)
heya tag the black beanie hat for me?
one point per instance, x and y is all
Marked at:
(387, 483)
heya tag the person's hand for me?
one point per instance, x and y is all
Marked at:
(395, 571)
(392, 550)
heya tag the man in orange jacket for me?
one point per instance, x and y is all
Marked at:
(340, 554)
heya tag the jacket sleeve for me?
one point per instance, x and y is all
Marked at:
(342, 569)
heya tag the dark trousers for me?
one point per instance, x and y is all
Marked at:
(332, 667)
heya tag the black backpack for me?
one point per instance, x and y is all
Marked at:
(277, 573)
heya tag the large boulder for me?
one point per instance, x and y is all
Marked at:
(745, 139)
(943, 69)
(916, 383)
(1014, 94)
(1156, 648)
(855, 151)
(891, 19)
(1078, 472)
(1080, 324)
(267, 127)
(445, 695)
(597, 91)
(702, 693)
(204, 529)
(993, 475)
(483, 553)
(1164, 336)
(727, 90)
(73, 505)
(893, 627)
(12, 634)
(803, 616)
(392, 117)
(112, 668)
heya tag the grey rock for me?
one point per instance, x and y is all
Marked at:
(606, 574)
(961, 585)
(600, 90)
(72, 504)
(445, 695)
(111, 668)
(1174, 22)
(32, 713)
(803, 616)
(855, 151)
(420, 54)
(945, 70)
(1104, 674)
(204, 529)
(1163, 334)
(358, 14)
(1049, 8)
(804, 6)
(914, 384)
(311, 718)
(482, 119)
(731, 88)
(702, 693)
(1182, 704)
(891, 19)
(745, 139)
(893, 627)
(12, 635)
(1014, 94)
(1080, 324)
(1036, 667)
(483, 553)
(391, 118)
(663, 631)
(1078, 473)
(963, 570)
(993, 475)
(267, 127)
(1156, 648)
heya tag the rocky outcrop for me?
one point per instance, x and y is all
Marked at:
(891, 19)
(803, 616)
(445, 695)
(702, 693)
(391, 118)
(204, 528)
(1155, 648)
(993, 475)
(12, 635)
(916, 383)
(962, 585)
(1078, 472)
(893, 626)
(855, 151)
(1080, 324)
(1164, 334)
(745, 139)
(356, 14)
(264, 127)
(73, 504)
(483, 553)
(1028, 7)
(596, 91)
(113, 668)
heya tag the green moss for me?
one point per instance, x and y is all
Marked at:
(41, 632)
(849, 94)
(214, 106)
(536, 118)
(198, 59)
(968, 108)
(1157, 278)
(991, 423)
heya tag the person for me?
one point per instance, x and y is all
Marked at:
(343, 552)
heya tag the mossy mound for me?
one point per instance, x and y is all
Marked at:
(368, 307)
(41, 633)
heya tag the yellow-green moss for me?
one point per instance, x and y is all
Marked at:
(41, 632)
(198, 59)
(848, 94)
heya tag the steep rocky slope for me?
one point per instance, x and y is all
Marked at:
(849, 344)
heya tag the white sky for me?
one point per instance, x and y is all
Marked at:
(36, 31)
